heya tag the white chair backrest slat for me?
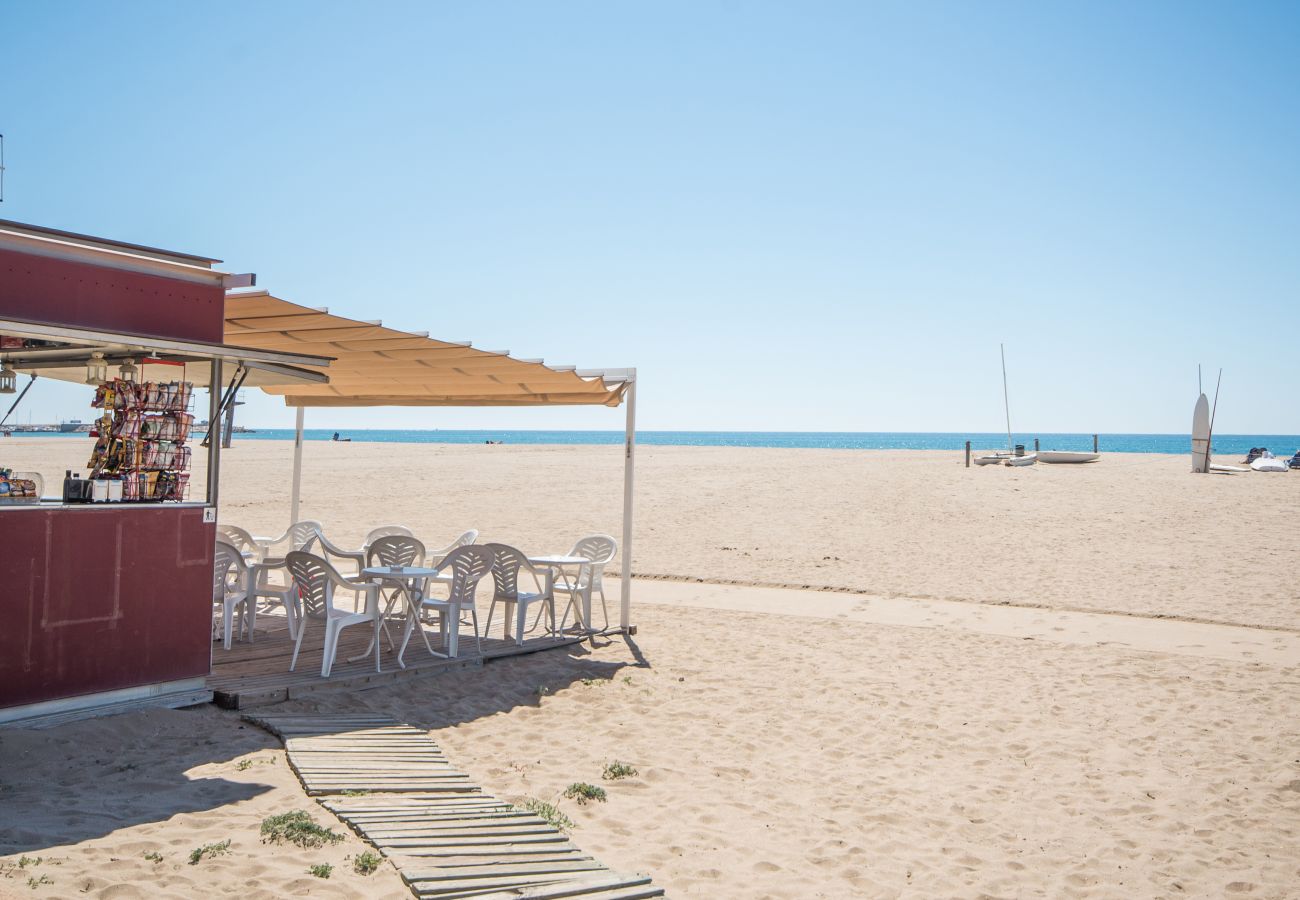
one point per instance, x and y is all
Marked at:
(395, 550)
(387, 531)
(600, 549)
(315, 580)
(508, 561)
(228, 571)
(467, 565)
(238, 538)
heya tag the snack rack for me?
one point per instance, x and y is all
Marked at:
(20, 487)
(142, 438)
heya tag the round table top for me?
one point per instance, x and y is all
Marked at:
(559, 560)
(399, 572)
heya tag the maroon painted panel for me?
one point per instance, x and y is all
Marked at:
(81, 295)
(101, 598)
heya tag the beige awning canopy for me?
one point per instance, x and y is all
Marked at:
(377, 366)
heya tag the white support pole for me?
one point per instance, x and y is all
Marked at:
(297, 468)
(629, 468)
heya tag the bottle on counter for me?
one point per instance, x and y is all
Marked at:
(67, 486)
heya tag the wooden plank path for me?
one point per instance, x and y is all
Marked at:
(392, 784)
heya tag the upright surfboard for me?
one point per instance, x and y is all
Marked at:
(1201, 435)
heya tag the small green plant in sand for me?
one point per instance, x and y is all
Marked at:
(592, 680)
(366, 863)
(627, 679)
(24, 861)
(35, 882)
(616, 770)
(244, 765)
(298, 828)
(153, 856)
(321, 870)
(585, 793)
(547, 811)
(221, 848)
(355, 792)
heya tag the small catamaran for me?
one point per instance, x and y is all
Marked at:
(1009, 457)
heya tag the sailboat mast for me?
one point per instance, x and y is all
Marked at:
(1006, 403)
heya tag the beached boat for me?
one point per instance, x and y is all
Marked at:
(1067, 456)
(1014, 455)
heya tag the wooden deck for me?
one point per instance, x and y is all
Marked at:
(257, 673)
(392, 785)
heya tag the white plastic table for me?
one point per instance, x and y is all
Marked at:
(405, 578)
(556, 565)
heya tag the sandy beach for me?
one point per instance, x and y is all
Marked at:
(1132, 533)
(905, 739)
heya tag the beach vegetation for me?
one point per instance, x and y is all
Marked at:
(298, 828)
(207, 851)
(34, 882)
(585, 793)
(548, 812)
(321, 870)
(355, 792)
(366, 863)
(616, 770)
(153, 856)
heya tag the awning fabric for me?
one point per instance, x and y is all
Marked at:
(159, 359)
(377, 366)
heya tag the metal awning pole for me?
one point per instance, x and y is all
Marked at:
(629, 469)
(214, 435)
(297, 468)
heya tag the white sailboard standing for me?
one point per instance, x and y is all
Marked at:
(1201, 435)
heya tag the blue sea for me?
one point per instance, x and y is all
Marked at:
(1280, 444)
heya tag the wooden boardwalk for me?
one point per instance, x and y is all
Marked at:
(445, 836)
(256, 674)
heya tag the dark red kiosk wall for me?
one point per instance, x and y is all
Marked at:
(102, 598)
(99, 598)
(61, 292)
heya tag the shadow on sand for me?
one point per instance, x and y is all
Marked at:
(85, 780)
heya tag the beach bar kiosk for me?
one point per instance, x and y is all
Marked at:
(105, 596)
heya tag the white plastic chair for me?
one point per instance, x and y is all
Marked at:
(466, 567)
(241, 540)
(230, 589)
(395, 550)
(260, 570)
(358, 557)
(509, 562)
(601, 550)
(316, 581)
(434, 557)
(298, 536)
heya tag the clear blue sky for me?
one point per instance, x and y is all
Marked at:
(819, 216)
